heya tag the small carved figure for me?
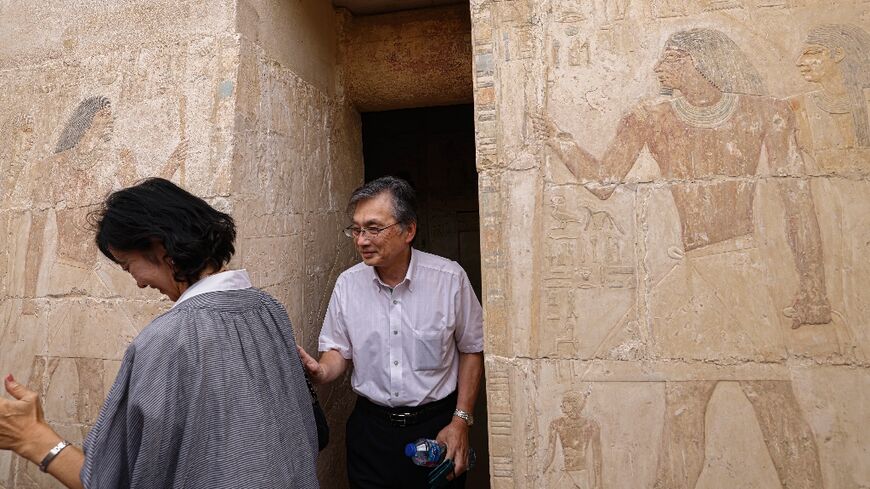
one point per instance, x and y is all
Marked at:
(833, 120)
(580, 438)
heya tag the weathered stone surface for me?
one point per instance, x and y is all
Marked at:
(673, 202)
(237, 103)
(415, 58)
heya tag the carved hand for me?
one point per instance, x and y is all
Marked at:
(544, 129)
(809, 307)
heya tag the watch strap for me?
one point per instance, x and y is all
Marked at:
(464, 416)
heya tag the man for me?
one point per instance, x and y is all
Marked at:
(412, 326)
(708, 142)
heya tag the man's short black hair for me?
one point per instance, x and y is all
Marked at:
(404, 198)
(155, 210)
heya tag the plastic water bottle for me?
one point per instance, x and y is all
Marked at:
(429, 453)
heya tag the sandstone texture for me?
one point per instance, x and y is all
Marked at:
(236, 101)
(674, 237)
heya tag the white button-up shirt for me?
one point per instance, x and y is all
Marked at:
(404, 342)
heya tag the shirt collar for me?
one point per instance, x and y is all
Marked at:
(409, 275)
(229, 280)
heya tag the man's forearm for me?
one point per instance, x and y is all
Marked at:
(333, 365)
(470, 373)
(804, 237)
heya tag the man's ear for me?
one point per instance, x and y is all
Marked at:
(410, 232)
(837, 54)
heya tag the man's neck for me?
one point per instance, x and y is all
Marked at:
(834, 85)
(702, 95)
(392, 275)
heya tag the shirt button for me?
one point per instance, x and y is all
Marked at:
(395, 332)
(395, 301)
(396, 394)
(396, 362)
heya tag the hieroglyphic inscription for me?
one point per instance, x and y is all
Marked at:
(501, 431)
(586, 248)
(663, 9)
(611, 11)
(712, 5)
(484, 89)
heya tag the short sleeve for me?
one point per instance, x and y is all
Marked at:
(469, 318)
(334, 335)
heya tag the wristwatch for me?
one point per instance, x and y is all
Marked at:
(464, 416)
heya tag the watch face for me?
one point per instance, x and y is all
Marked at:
(468, 418)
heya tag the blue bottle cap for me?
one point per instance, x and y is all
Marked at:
(410, 450)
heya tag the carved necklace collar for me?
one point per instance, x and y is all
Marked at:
(705, 117)
(831, 104)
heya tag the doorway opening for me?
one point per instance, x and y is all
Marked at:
(433, 149)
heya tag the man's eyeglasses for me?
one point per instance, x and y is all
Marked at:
(370, 231)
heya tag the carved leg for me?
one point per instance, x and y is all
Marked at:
(789, 439)
(682, 450)
(33, 259)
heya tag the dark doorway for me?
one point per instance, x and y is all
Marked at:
(433, 148)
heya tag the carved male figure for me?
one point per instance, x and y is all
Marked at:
(580, 438)
(833, 132)
(707, 140)
(833, 123)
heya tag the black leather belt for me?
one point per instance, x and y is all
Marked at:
(403, 416)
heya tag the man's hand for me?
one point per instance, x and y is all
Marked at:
(312, 366)
(330, 366)
(809, 307)
(455, 436)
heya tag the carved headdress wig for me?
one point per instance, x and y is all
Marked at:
(855, 67)
(80, 121)
(719, 60)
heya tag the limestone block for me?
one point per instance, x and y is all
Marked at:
(75, 30)
(386, 56)
(733, 206)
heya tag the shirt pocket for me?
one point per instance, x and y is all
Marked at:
(429, 350)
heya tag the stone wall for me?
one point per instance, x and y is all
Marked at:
(239, 102)
(408, 59)
(298, 158)
(96, 96)
(674, 204)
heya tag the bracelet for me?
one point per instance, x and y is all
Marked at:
(43, 466)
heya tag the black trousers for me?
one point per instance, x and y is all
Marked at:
(376, 451)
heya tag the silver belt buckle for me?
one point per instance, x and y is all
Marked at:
(399, 419)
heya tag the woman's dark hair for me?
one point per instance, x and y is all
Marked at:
(155, 210)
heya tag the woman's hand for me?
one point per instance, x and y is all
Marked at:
(22, 424)
(23, 430)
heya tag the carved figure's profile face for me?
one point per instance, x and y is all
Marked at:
(673, 68)
(101, 127)
(99, 132)
(573, 404)
(817, 62)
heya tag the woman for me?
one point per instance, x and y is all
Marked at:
(211, 394)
